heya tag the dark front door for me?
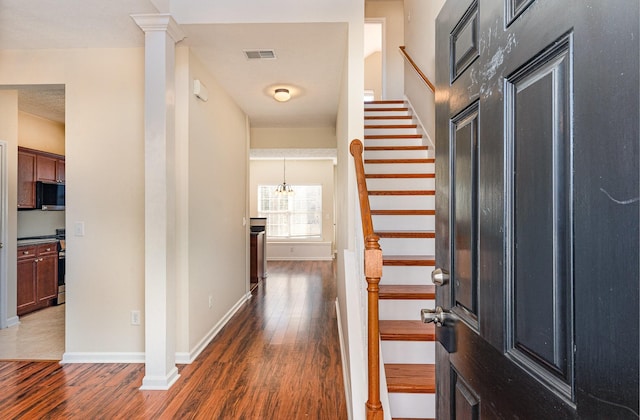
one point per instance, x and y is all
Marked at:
(537, 208)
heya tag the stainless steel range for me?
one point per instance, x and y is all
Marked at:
(60, 235)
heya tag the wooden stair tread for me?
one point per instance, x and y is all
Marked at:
(406, 330)
(388, 117)
(386, 148)
(413, 418)
(407, 291)
(409, 260)
(385, 101)
(388, 109)
(376, 161)
(384, 126)
(392, 136)
(400, 176)
(406, 234)
(399, 212)
(411, 378)
(404, 192)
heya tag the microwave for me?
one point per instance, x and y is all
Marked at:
(49, 196)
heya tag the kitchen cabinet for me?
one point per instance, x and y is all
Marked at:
(35, 165)
(37, 276)
(49, 167)
(256, 267)
(26, 179)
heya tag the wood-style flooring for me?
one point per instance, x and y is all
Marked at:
(277, 358)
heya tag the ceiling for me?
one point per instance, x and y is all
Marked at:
(309, 57)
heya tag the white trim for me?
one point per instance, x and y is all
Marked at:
(382, 21)
(160, 383)
(14, 320)
(188, 358)
(5, 321)
(414, 114)
(343, 358)
(102, 357)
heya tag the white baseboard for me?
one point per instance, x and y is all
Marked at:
(139, 357)
(299, 251)
(160, 383)
(343, 357)
(188, 358)
(102, 357)
(414, 114)
(14, 320)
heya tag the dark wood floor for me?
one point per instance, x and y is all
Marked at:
(278, 358)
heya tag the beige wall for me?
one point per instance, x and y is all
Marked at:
(293, 138)
(373, 74)
(420, 18)
(393, 72)
(105, 188)
(40, 133)
(217, 189)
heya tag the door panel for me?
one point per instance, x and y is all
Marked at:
(537, 208)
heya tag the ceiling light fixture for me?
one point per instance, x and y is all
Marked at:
(284, 188)
(281, 95)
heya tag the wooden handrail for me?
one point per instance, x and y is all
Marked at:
(424, 78)
(372, 273)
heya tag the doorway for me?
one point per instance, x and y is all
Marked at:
(39, 331)
(374, 58)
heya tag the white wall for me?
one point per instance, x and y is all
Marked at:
(9, 133)
(373, 74)
(393, 73)
(420, 44)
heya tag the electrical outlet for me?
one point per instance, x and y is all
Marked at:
(135, 317)
(210, 301)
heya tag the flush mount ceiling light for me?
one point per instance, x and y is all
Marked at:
(281, 95)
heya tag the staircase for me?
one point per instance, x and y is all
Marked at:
(400, 178)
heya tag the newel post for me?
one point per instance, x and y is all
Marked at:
(373, 273)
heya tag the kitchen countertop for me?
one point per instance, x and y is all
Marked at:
(36, 240)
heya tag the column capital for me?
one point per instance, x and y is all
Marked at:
(159, 22)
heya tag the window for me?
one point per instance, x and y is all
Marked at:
(294, 216)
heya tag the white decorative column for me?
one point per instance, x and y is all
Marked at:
(161, 35)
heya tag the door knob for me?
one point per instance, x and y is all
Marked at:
(438, 316)
(439, 277)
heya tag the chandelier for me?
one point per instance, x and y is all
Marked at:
(284, 188)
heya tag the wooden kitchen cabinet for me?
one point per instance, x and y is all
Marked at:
(49, 167)
(35, 165)
(26, 179)
(37, 277)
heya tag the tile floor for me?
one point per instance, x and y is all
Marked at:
(39, 336)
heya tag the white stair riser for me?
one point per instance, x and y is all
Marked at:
(370, 112)
(394, 142)
(412, 405)
(391, 119)
(396, 154)
(399, 168)
(400, 184)
(385, 105)
(414, 352)
(395, 309)
(412, 275)
(403, 222)
(403, 246)
(390, 131)
(402, 202)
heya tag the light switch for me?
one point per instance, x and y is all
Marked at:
(78, 229)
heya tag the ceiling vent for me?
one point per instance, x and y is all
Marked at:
(260, 54)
